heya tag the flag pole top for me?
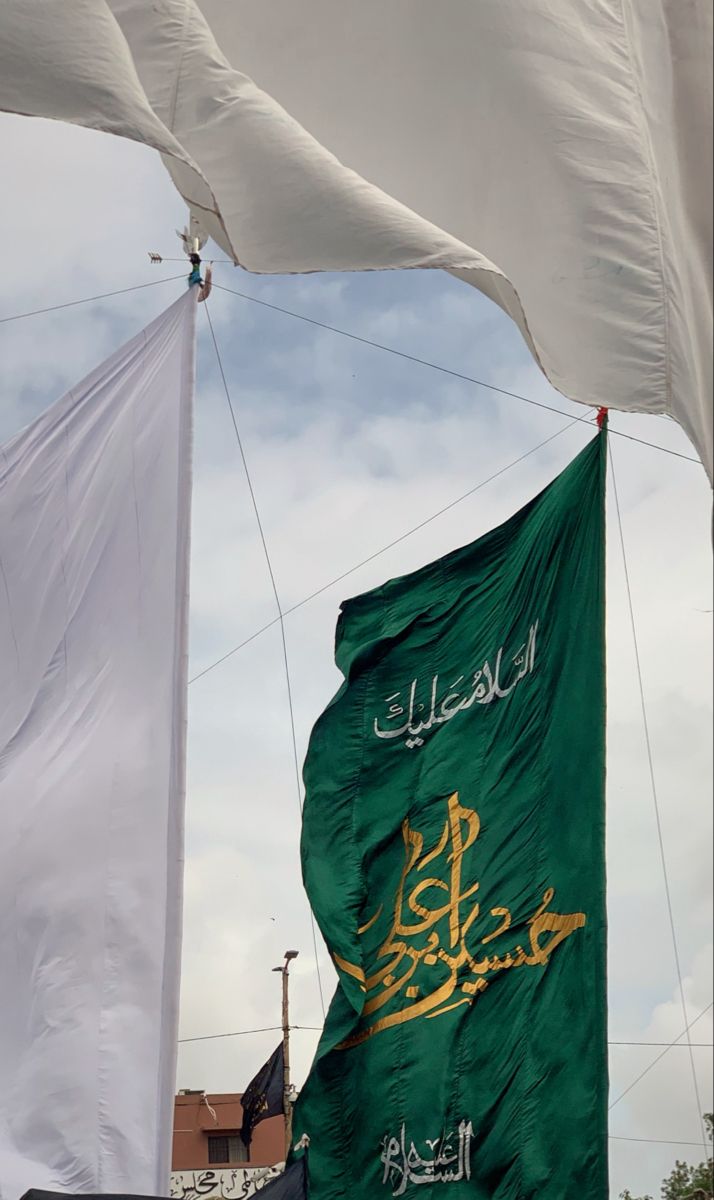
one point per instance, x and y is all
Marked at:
(193, 242)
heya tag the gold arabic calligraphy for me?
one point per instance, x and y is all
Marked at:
(433, 927)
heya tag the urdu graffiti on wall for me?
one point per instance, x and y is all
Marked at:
(230, 1183)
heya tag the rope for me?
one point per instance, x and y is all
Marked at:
(423, 362)
(280, 617)
(89, 299)
(660, 1057)
(389, 546)
(655, 798)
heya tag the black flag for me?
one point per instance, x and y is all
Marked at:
(264, 1096)
(291, 1185)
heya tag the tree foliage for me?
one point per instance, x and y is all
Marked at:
(686, 1182)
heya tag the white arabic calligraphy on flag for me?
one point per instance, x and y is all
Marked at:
(448, 1163)
(485, 686)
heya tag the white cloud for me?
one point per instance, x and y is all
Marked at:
(348, 449)
(663, 1105)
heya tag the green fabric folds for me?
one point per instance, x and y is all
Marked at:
(453, 852)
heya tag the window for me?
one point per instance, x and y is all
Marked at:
(226, 1148)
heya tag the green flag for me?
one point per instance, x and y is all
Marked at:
(453, 852)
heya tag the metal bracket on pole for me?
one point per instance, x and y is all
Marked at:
(193, 242)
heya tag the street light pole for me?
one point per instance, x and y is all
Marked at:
(290, 955)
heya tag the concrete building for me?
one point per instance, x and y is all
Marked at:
(209, 1158)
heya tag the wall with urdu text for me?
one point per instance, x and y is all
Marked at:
(235, 1183)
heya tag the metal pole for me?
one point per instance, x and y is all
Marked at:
(287, 1088)
(286, 1063)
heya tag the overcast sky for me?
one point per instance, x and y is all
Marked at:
(350, 448)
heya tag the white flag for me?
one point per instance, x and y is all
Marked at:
(94, 536)
(555, 154)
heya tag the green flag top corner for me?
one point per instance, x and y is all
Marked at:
(453, 853)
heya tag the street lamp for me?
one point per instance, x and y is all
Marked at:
(288, 1091)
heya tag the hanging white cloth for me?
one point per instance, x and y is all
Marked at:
(94, 535)
(556, 154)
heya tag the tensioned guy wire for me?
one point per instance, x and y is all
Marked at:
(353, 337)
(281, 614)
(671, 1046)
(88, 299)
(423, 362)
(395, 542)
(655, 799)
(280, 617)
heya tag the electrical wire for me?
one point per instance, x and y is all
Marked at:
(280, 617)
(423, 362)
(245, 1033)
(669, 1045)
(659, 1057)
(89, 299)
(389, 546)
(653, 1141)
(655, 797)
(209, 1037)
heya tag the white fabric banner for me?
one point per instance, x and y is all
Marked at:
(555, 154)
(94, 545)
